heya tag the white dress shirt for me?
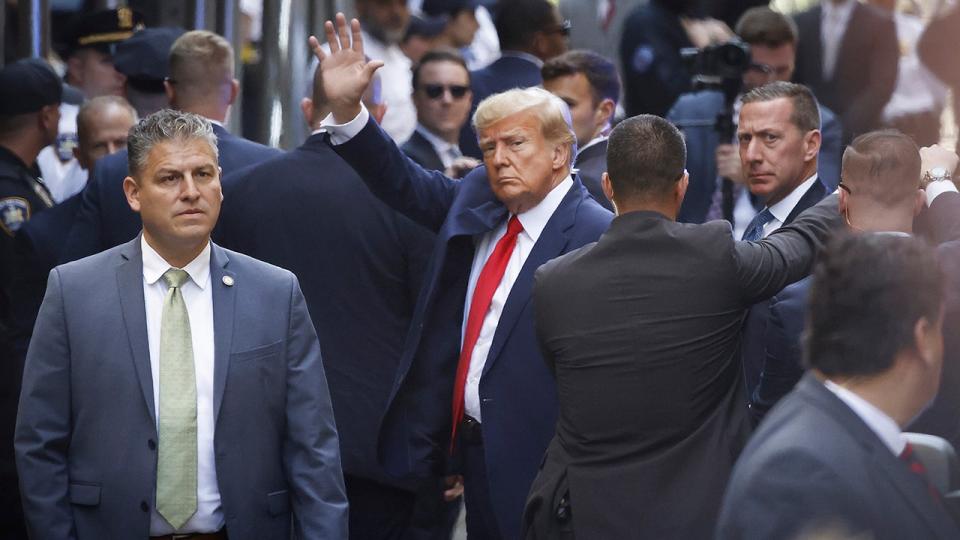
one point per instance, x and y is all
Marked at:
(397, 84)
(447, 152)
(833, 25)
(781, 211)
(198, 296)
(885, 427)
(918, 90)
(533, 221)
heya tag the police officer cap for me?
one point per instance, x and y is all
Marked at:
(144, 57)
(434, 8)
(103, 29)
(27, 86)
(427, 27)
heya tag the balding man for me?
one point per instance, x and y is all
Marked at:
(471, 378)
(202, 82)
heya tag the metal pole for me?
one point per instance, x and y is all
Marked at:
(34, 21)
(284, 75)
(202, 14)
(228, 26)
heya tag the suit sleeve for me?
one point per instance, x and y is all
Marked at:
(311, 450)
(781, 367)
(765, 267)
(84, 237)
(43, 423)
(423, 196)
(831, 151)
(942, 219)
(884, 60)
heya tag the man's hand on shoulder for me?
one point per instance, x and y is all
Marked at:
(345, 69)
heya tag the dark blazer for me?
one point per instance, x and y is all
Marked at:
(517, 394)
(87, 428)
(591, 163)
(695, 114)
(419, 149)
(755, 326)
(814, 464)
(360, 265)
(642, 333)
(106, 220)
(505, 73)
(866, 70)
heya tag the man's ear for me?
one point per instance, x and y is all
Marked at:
(234, 91)
(306, 107)
(811, 144)
(132, 192)
(928, 340)
(605, 111)
(920, 202)
(681, 189)
(171, 92)
(561, 156)
(78, 155)
(842, 205)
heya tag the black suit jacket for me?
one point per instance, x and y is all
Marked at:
(591, 164)
(106, 220)
(419, 149)
(866, 70)
(814, 464)
(359, 264)
(641, 331)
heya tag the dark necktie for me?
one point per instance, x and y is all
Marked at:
(909, 457)
(754, 230)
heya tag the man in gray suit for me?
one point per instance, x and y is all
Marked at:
(174, 387)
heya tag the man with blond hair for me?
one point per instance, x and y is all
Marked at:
(201, 82)
(472, 382)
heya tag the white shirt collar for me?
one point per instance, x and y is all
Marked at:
(841, 9)
(439, 145)
(885, 427)
(782, 209)
(524, 55)
(154, 265)
(536, 218)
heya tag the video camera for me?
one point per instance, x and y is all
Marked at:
(718, 66)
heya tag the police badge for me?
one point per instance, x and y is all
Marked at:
(14, 212)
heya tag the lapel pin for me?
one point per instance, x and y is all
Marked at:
(228, 281)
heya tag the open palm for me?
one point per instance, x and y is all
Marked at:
(345, 70)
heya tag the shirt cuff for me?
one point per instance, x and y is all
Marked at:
(341, 133)
(935, 189)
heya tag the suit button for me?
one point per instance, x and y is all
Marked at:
(151, 444)
(144, 506)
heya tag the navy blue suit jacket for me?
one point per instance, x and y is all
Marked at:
(106, 220)
(518, 397)
(359, 263)
(695, 114)
(505, 73)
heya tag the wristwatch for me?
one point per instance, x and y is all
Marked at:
(935, 174)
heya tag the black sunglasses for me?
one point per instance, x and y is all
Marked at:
(562, 28)
(435, 91)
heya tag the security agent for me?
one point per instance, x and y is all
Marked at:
(142, 59)
(30, 94)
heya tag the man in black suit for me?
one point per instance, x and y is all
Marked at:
(641, 331)
(201, 81)
(360, 265)
(848, 55)
(441, 94)
(588, 83)
(830, 460)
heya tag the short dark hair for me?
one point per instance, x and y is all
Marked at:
(600, 72)
(517, 21)
(645, 158)
(763, 26)
(442, 54)
(883, 165)
(868, 292)
(806, 112)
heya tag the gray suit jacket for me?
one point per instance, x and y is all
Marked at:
(86, 434)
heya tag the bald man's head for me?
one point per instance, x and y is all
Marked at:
(102, 127)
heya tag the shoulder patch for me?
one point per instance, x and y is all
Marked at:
(642, 59)
(65, 144)
(14, 212)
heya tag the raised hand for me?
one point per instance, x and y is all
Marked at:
(345, 70)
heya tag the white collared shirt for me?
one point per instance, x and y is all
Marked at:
(833, 25)
(885, 427)
(401, 117)
(198, 296)
(533, 221)
(781, 211)
(447, 152)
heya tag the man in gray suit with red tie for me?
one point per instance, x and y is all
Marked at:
(173, 387)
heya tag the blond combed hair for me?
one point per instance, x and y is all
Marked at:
(553, 114)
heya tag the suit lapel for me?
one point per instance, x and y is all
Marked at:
(813, 195)
(224, 301)
(130, 289)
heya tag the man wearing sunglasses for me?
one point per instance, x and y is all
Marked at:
(772, 38)
(441, 94)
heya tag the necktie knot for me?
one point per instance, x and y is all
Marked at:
(514, 227)
(175, 278)
(754, 231)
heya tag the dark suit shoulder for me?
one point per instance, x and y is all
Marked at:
(696, 106)
(264, 272)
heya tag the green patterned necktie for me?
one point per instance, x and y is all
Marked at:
(177, 462)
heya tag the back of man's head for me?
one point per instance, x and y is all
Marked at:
(645, 159)
(518, 21)
(201, 70)
(882, 168)
(764, 26)
(600, 72)
(869, 292)
(806, 112)
(102, 126)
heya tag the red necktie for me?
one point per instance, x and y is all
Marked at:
(487, 284)
(917, 468)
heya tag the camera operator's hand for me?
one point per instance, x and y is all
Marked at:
(461, 166)
(703, 32)
(728, 163)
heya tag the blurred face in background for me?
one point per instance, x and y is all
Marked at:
(385, 19)
(462, 28)
(93, 73)
(589, 116)
(769, 64)
(104, 133)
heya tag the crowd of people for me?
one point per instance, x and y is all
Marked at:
(622, 292)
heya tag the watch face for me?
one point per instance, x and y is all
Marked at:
(938, 172)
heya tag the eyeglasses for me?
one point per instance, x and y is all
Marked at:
(435, 91)
(562, 28)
